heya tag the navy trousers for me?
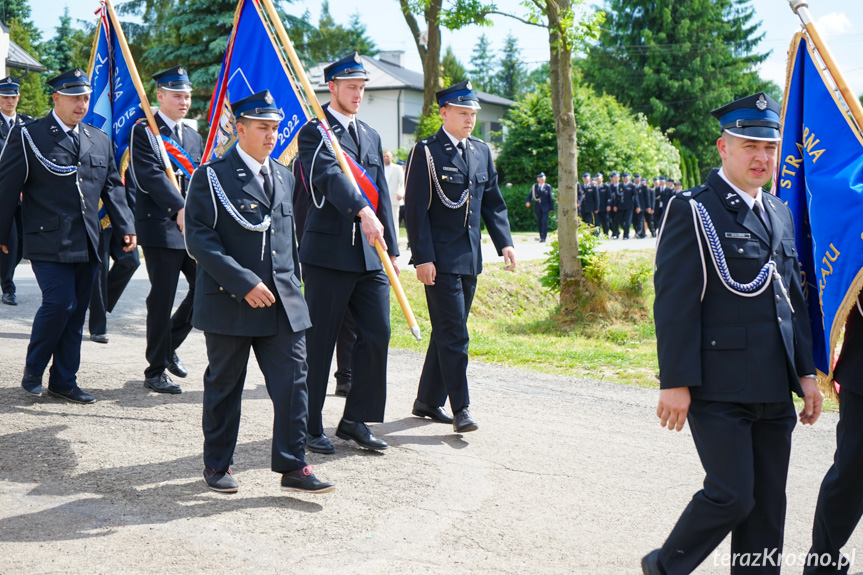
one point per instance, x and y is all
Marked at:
(58, 324)
(745, 449)
(110, 282)
(282, 360)
(165, 333)
(328, 294)
(445, 368)
(840, 501)
(541, 222)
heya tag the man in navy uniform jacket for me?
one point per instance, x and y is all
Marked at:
(62, 167)
(240, 228)
(341, 268)
(159, 220)
(451, 185)
(734, 344)
(542, 198)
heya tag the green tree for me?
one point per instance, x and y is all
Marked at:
(484, 65)
(69, 48)
(676, 61)
(331, 41)
(511, 77)
(452, 71)
(34, 97)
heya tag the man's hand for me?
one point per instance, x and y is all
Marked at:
(4, 249)
(673, 407)
(427, 273)
(649, 210)
(508, 258)
(812, 400)
(181, 220)
(607, 208)
(372, 227)
(260, 296)
(131, 243)
(527, 204)
(395, 262)
(637, 210)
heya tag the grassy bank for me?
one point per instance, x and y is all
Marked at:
(515, 322)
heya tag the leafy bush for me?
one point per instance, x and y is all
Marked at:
(521, 218)
(594, 263)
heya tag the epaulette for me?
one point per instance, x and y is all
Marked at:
(692, 192)
(472, 137)
(213, 162)
(428, 140)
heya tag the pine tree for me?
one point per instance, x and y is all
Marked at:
(484, 65)
(452, 71)
(332, 41)
(510, 77)
(34, 98)
(676, 61)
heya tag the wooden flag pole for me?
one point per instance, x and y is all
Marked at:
(145, 103)
(300, 73)
(801, 8)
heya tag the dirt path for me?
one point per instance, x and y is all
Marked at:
(564, 475)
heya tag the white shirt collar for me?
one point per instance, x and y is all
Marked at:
(343, 120)
(750, 201)
(253, 164)
(9, 118)
(63, 126)
(168, 121)
(455, 141)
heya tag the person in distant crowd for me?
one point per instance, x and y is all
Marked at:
(250, 296)
(840, 500)
(659, 204)
(732, 354)
(542, 197)
(590, 201)
(605, 205)
(666, 193)
(579, 198)
(628, 203)
(614, 197)
(10, 95)
(451, 188)
(678, 186)
(644, 220)
(111, 279)
(341, 267)
(396, 183)
(61, 216)
(159, 210)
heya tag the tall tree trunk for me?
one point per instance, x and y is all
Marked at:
(430, 51)
(560, 65)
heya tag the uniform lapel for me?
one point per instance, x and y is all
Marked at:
(251, 185)
(84, 138)
(341, 134)
(279, 186)
(60, 136)
(4, 127)
(733, 201)
(775, 223)
(473, 160)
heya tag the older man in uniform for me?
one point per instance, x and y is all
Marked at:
(159, 210)
(733, 349)
(240, 228)
(61, 168)
(341, 268)
(451, 186)
(542, 198)
(9, 96)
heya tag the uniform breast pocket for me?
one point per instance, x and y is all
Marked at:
(98, 167)
(482, 177)
(456, 178)
(249, 209)
(741, 248)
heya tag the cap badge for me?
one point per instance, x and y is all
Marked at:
(268, 99)
(761, 103)
(357, 58)
(180, 71)
(469, 87)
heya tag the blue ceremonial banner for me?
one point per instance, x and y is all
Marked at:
(252, 64)
(114, 105)
(820, 177)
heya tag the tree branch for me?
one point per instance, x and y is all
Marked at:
(414, 27)
(513, 16)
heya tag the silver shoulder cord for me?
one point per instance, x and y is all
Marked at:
(217, 192)
(53, 168)
(704, 228)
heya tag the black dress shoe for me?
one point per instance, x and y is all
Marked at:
(74, 395)
(10, 299)
(304, 481)
(464, 422)
(176, 367)
(650, 564)
(435, 413)
(343, 388)
(99, 337)
(361, 434)
(320, 444)
(221, 481)
(32, 384)
(162, 384)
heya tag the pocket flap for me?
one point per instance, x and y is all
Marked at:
(452, 177)
(724, 337)
(97, 160)
(482, 177)
(789, 248)
(46, 224)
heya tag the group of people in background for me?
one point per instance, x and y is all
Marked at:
(631, 202)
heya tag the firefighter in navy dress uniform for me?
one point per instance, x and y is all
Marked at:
(62, 168)
(542, 198)
(734, 344)
(451, 185)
